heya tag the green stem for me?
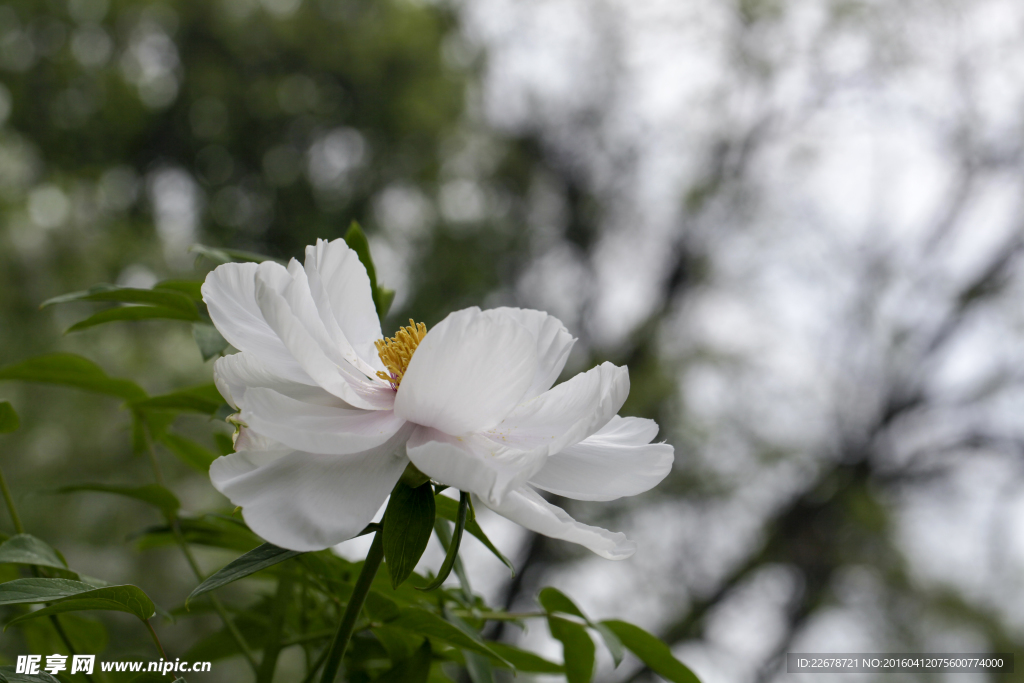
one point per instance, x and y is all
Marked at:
(20, 528)
(172, 521)
(156, 640)
(273, 645)
(355, 604)
(11, 510)
(316, 666)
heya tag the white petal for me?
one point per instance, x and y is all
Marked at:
(472, 463)
(341, 379)
(567, 414)
(553, 345)
(316, 428)
(617, 461)
(310, 501)
(525, 507)
(230, 296)
(341, 289)
(468, 372)
(240, 371)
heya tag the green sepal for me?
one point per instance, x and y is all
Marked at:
(407, 522)
(453, 547)
(449, 509)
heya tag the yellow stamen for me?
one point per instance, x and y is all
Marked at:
(396, 352)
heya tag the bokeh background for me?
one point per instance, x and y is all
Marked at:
(798, 222)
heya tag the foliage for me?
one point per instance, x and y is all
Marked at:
(403, 625)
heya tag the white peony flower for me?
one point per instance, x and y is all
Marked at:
(333, 413)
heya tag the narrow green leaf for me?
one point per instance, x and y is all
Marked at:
(210, 342)
(267, 555)
(577, 649)
(9, 421)
(415, 669)
(27, 549)
(8, 674)
(132, 314)
(218, 255)
(204, 399)
(408, 521)
(478, 667)
(193, 289)
(71, 370)
(189, 452)
(453, 547)
(651, 651)
(356, 240)
(127, 598)
(554, 600)
(386, 298)
(164, 298)
(525, 661)
(449, 509)
(153, 494)
(424, 623)
(611, 641)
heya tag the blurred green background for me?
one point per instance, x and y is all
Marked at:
(796, 362)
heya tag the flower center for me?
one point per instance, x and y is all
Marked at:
(396, 352)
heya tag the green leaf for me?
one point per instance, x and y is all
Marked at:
(151, 297)
(449, 509)
(27, 549)
(525, 661)
(577, 649)
(8, 675)
(74, 371)
(66, 595)
(415, 669)
(357, 242)
(153, 494)
(9, 421)
(651, 651)
(554, 600)
(218, 255)
(424, 623)
(408, 521)
(611, 641)
(453, 547)
(26, 591)
(131, 314)
(210, 342)
(267, 555)
(193, 289)
(127, 598)
(189, 452)
(204, 399)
